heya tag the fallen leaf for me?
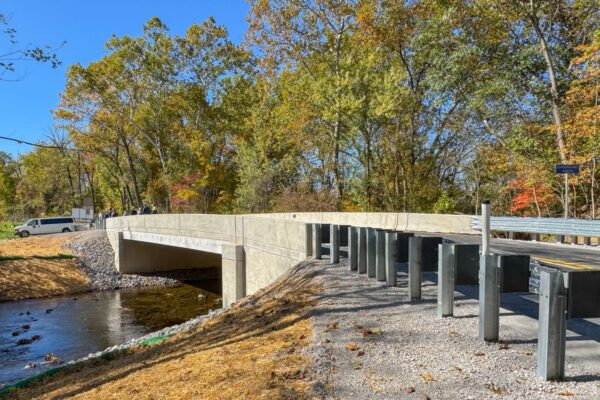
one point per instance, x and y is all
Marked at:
(331, 326)
(480, 354)
(365, 332)
(352, 346)
(357, 365)
(495, 389)
(503, 346)
(296, 374)
(360, 353)
(423, 396)
(427, 377)
(458, 369)
(566, 393)
(453, 332)
(410, 389)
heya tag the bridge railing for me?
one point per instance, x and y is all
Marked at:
(556, 226)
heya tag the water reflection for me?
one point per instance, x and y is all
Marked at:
(72, 327)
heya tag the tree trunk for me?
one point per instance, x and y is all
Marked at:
(555, 96)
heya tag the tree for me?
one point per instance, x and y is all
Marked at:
(11, 53)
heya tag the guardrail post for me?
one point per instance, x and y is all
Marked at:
(415, 266)
(489, 297)
(587, 240)
(316, 236)
(362, 250)
(552, 325)
(391, 247)
(334, 243)
(353, 248)
(574, 239)
(489, 282)
(446, 273)
(560, 238)
(536, 237)
(380, 256)
(371, 250)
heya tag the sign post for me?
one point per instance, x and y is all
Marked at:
(567, 169)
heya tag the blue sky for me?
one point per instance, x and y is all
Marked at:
(85, 26)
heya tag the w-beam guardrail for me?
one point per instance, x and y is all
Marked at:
(557, 226)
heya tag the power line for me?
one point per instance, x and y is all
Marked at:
(45, 146)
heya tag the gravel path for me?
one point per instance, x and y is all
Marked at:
(372, 343)
(97, 260)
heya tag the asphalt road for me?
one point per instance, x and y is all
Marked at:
(564, 255)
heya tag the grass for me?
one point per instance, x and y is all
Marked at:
(7, 230)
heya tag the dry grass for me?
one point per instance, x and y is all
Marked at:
(44, 245)
(33, 277)
(251, 351)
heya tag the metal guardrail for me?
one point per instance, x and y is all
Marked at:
(558, 226)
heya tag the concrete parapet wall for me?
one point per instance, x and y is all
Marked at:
(413, 222)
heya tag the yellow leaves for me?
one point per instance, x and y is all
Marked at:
(352, 347)
(427, 377)
(187, 194)
(566, 393)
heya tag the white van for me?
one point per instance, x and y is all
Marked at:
(41, 226)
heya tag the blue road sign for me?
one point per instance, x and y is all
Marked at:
(567, 169)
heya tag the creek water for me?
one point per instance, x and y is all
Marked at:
(74, 326)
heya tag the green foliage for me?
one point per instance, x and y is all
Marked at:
(7, 230)
(373, 105)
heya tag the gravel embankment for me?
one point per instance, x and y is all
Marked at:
(372, 343)
(97, 260)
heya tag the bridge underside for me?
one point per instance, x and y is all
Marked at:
(141, 257)
(143, 253)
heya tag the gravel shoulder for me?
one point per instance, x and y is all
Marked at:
(372, 343)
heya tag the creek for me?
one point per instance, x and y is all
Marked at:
(74, 326)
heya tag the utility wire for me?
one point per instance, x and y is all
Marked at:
(45, 146)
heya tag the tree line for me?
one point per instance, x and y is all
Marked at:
(356, 105)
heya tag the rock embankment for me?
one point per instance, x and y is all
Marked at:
(97, 260)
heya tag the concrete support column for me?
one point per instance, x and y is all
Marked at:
(415, 266)
(371, 251)
(446, 273)
(316, 241)
(380, 256)
(552, 325)
(489, 297)
(353, 248)
(233, 264)
(391, 246)
(120, 261)
(309, 240)
(362, 250)
(334, 243)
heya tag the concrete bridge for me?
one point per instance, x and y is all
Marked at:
(252, 250)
